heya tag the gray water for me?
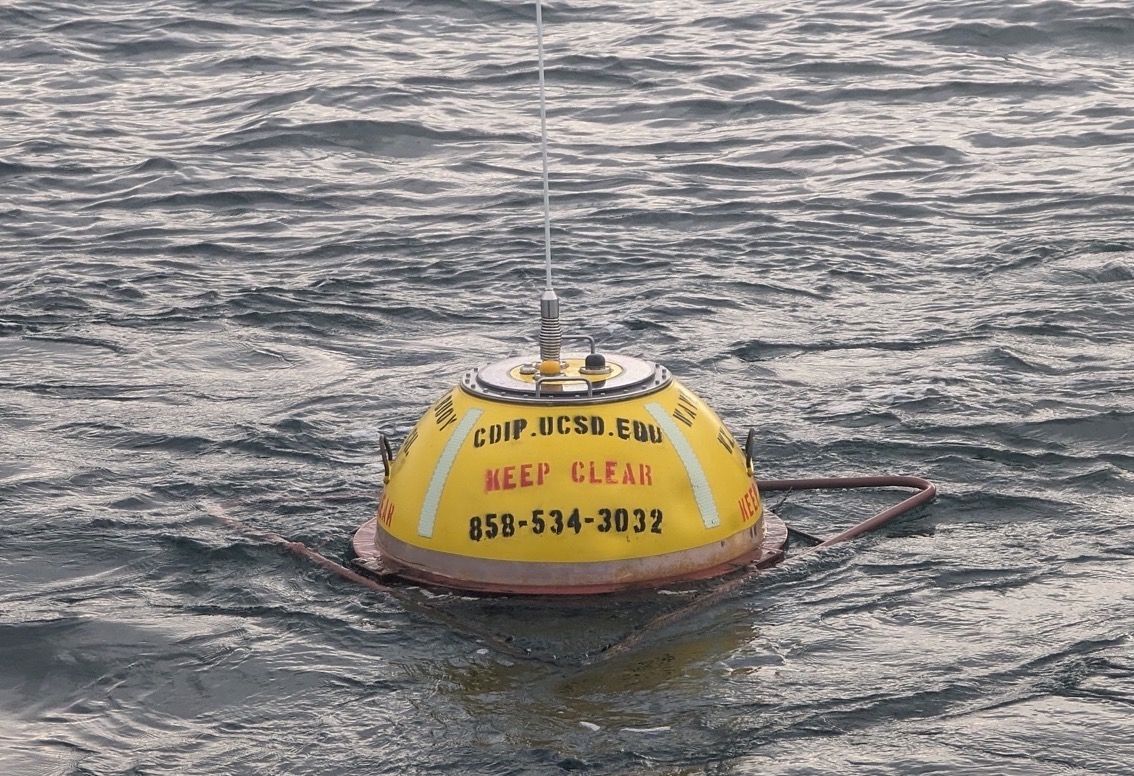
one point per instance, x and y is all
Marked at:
(239, 240)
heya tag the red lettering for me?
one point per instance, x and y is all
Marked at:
(604, 473)
(386, 511)
(523, 475)
(749, 503)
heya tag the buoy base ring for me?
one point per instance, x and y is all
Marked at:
(370, 559)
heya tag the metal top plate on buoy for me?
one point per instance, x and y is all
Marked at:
(518, 380)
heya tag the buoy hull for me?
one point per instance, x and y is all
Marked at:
(612, 486)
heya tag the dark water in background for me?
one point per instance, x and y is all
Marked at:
(238, 240)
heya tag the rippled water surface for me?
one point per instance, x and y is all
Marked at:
(239, 240)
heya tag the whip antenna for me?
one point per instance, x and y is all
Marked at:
(550, 330)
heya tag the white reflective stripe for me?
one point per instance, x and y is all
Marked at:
(441, 472)
(701, 490)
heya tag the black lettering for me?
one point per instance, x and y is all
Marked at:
(598, 425)
(443, 413)
(622, 428)
(563, 424)
(580, 424)
(406, 445)
(655, 435)
(621, 520)
(547, 425)
(726, 440)
(495, 433)
(641, 432)
(605, 514)
(686, 409)
(680, 415)
(573, 521)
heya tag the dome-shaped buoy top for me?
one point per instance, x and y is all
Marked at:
(600, 477)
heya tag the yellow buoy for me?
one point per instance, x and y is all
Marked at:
(605, 475)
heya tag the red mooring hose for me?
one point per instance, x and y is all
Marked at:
(926, 492)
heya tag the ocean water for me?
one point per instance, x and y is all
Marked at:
(240, 240)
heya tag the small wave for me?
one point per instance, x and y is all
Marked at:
(699, 109)
(739, 172)
(233, 199)
(1101, 30)
(399, 139)
(759, 350)
(16, 168)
